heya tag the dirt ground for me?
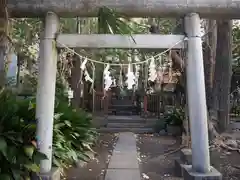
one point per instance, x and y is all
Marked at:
(95, 169)
(155, 167)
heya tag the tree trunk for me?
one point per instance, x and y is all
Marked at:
(179, 64)
(209, 53)
(77, 74)
(3, 54)
(4, 40)
(223, 72)
(76, 79)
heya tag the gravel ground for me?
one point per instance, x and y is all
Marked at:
(153, 166)
(95, 169)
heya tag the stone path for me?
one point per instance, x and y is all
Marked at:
(124, 161)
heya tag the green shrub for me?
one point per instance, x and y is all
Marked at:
(73, 136)
(18, 155)
(172, 118)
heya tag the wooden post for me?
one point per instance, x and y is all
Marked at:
(46, 90)
(196, 95)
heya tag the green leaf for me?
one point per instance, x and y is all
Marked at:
(17, 174)
(12, 152)
(32, 167)
(68, 123)
(29, 150)
(3, 146)
(38, 156)
(57, 115)
(5, 177)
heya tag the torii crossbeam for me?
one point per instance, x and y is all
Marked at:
(131, 8)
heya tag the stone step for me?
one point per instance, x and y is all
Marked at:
(121, 112)
(134, 130)
(129, 125)
(126, 120)
(122, 108)
(130, 119)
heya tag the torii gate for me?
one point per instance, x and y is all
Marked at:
(139, 8)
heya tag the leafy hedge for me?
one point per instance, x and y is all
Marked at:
(170, 118)
(72, 136)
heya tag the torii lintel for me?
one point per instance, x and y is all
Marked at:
(135, 8)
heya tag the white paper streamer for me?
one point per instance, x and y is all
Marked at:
(137, 75)
(137, 69)
(120, 81)
(83, 65)
(107, 78)
(114, 82)
(170, 68)
(130, 78)
(152, 70)
(87, 77)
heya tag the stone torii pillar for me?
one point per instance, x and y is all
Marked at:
(200, 168)
(46, 89)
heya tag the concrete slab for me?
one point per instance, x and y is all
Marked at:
(125, 152)
(189, 174)
(123, 161)
(126, 143)
(178, 168)
(186, 156)
(121, 149)
(123, 174)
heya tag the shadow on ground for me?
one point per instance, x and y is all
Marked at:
(95, 169)
(155, 166)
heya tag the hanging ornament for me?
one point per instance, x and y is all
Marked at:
(170, 67)
(130, 78)
(159, 78)
(87, 77)
(93, 78)
(114, 82)
(83, 65)
(152, 70)
(107, 78)
(137, 69)
(120, 82)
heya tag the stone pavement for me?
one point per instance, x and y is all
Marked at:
(123, 164)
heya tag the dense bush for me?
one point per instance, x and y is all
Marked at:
(18, 154)
(72, 136)
(170, 118)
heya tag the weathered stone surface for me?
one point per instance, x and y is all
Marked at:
(123, 174)
(178, 168)
(123, 160)
(189, 174)
(143, 8)
(186, 156)
(123, 163)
